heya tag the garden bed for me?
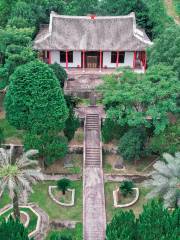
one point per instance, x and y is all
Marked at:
(66, 200)
(137, 207)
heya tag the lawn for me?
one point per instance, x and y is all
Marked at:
(137, 207)
(76, 233)
(33, 218)
(55, 211)
(11, 134)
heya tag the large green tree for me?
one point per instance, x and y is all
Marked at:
(141, 100)
(154, 223)
(34, 100)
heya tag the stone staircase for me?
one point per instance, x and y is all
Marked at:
(94, 216)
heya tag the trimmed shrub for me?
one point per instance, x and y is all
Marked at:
(63, 184)
(71, 125)
(132, 144)
(59, 72)
(126, 188)
(1, 136)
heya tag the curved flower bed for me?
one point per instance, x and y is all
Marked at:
(116, 205)
(50, 191)
(32, 217)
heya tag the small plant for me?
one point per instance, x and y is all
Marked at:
(126, 188)
(1, 136)
(63, 185)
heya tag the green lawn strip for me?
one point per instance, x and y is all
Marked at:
(137, 207)
(33, 218)
(4, 200)
(55, 211)
(76, 233)
(177, 6)
(10, 131)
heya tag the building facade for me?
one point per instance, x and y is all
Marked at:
(93, 42)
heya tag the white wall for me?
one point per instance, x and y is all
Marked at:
(55, 58)
(128, 60)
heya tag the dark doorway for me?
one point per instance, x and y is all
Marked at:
(92, 59)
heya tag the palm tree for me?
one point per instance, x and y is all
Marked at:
(17, 175)
(165, 181)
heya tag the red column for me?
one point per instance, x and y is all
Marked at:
(83, 65)
(49, 57)
(100, 60)
(134, 60)
(66, 59)
(145, 61)
(117, 59)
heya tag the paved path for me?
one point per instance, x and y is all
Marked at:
(171, 11)
(94, 216)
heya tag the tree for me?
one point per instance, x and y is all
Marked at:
(126, 188)
(59, 72)
(17, 175)
(155, 222)
(159, 52)
(124, 7)
(63, 184)
(34, 100)
(122, 227)
(71, 125)
(140, 101)
(13, 229)
(51, 147)
(165, 181)
(167, 141)
(132, 144)
(108, 134)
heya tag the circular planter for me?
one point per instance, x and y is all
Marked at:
(50, 189)
(116, 205)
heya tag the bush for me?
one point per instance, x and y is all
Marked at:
(71, 125)
(63, 184)
(51, 147)
(126, 188)
(132, 144)
(13, 230)
(1, 136)
(168, 141)
(59, 72)
(108, 134)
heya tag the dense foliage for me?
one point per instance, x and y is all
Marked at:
(60, 73)
(71, 125)
(132, 144)
(108, 134)
(63, 184)
(126, 187)
(140, 100)
(34, 100)
(13, 230)
(51, 147)
(1, 136)
(155, 222)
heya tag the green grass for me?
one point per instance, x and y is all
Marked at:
(10, 131)
(33, 218)
(76, 233)
(137, 207)
(55, 211)
(177, 6)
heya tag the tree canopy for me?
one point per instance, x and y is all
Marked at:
(34, 100)
(141, 100)
(155, 222)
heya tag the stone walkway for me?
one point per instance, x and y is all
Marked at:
(94, 216)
